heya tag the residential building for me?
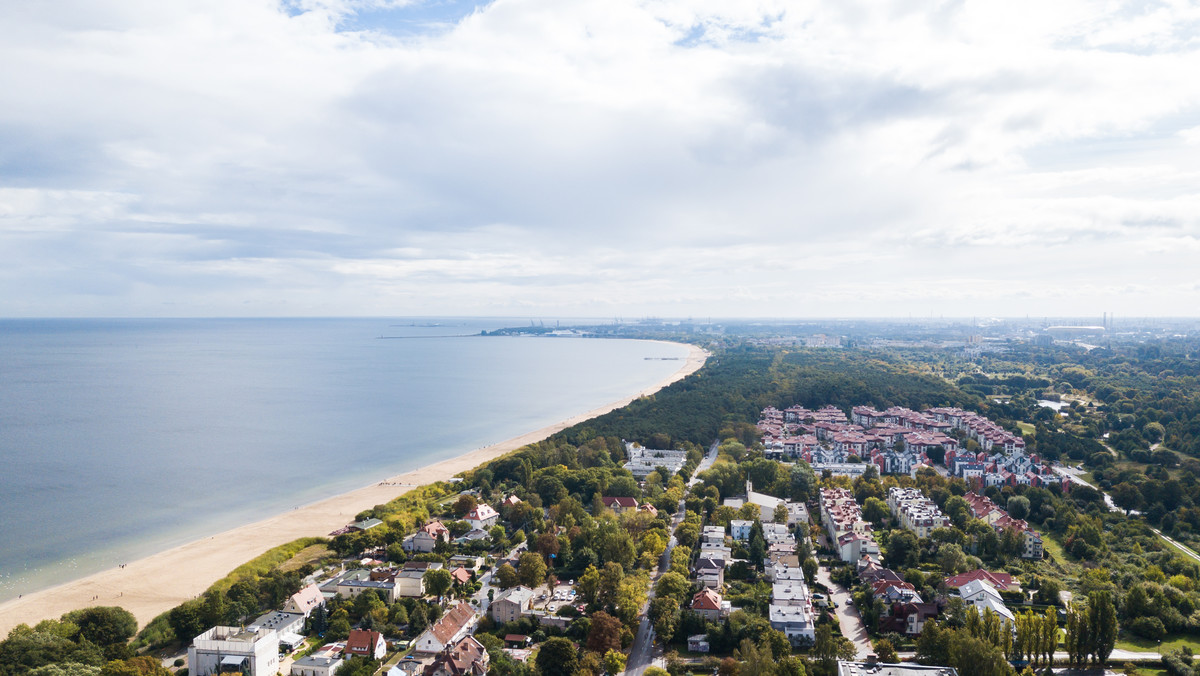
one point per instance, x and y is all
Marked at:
(365, 643)
(740, 529)
(643, 461)
(620, 505)
(511, 603)
(916, 512)
(467, 657)
(881, 669)
(482, 517)
(709, 605)
(698, 643)
(452, 626)
(1001, 581)
(305, 601)
(985, 597)
(427, 537)
(350, 588)
(222, 649)
(796, 622)
(317, 664)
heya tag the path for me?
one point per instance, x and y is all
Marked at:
(847, 615)
(642, 652)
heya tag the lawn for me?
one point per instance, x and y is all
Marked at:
(1055, 550)
(1170, 642)
(311, 554)
(1027, 428)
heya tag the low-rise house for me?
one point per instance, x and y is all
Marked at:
(881, 669)
(718, 552)
(284, 623)
(351, 588)
(460, 575)
(714, 535)
(511, 604)
(908, 618)
(452, 626)
(223, 649)
(620, 505)
(1001, 581)
(427, 537)
(740, 529)
(710, 573)
(648, 508)
(790, 593)
(796, 622)
(854, 546)
(410, 584)
(365, 524)
(709, 605)
(365, 643)
(698, 643)
(325, 664)
(482, 517)
(468, 561)
(305, 601)
(467, 657)
(984, 596)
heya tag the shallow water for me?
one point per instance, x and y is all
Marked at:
(119, 438)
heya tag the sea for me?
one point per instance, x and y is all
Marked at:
(122, 438)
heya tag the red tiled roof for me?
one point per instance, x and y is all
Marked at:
(362, 642)
(706, 599)
(620, 502)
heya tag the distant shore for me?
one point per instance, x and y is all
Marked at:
(150, 586)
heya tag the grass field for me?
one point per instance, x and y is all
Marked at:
(1027, 428)
(1170, 642)
(311, 554)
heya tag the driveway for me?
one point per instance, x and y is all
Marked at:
(847, 615)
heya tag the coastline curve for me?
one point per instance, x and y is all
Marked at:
(154, 584)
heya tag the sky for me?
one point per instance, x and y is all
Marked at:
(599, 158)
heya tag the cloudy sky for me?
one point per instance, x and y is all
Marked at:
(599, 157)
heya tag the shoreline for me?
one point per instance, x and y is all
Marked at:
(154, 584)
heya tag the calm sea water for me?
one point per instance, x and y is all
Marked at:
(119, 438)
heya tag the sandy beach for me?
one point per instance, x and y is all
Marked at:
(157, 583)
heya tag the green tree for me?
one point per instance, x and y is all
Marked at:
(135, 666)
(951, 559)
(557, 657)
(589, 585)
(810, 566)
(506, 576)
(614, 662)
(664, 617)
(104, 625)
(781, 513)
(1018, 507)
(438, 582)
(886, 651)
(531, 569)
(1127, 496)
(875, 511)
(1102, 621)
(673, 585)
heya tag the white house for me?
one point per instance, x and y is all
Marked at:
(482, 517)
(222, 649)
(452, 626)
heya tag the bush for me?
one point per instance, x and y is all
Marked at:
(179, 662)
(1148, 627)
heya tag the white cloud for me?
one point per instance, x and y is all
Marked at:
(618, 157)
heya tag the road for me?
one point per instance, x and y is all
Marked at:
(643, 651)
(481, 597)
(847, 615)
